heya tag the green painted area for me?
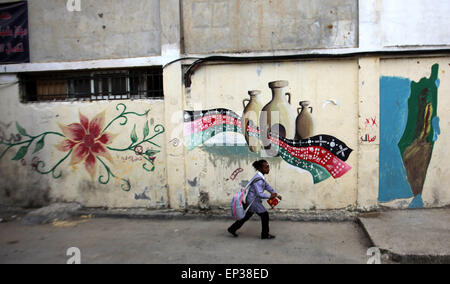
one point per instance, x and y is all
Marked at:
(423, 93)
(417, 142)
(199, 138)
(318, 173)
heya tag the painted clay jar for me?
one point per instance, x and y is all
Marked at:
(250, 119)
(304, 122)
(277, 116)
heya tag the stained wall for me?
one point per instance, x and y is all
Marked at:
(414, 118)
(93, 29)
(218, 170)
(347, 96)
(103, 154)
(237, 26)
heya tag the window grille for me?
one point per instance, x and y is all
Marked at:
(137, 83)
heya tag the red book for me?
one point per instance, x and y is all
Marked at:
(273, 202)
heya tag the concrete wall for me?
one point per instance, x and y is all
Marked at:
(105, 29)
(385, 24)
(239, 26)
(38, 166)
(413, 99)
(348, 97)
(102, 29)
(210, 167)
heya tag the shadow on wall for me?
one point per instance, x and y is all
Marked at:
(234, 156)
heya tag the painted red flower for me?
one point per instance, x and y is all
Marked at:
(87, 141)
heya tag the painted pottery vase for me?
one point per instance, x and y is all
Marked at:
(250, 120)
(304, 123)
(277, 116)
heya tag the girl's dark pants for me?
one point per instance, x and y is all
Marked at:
(264, 222)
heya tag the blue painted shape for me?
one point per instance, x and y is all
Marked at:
(437, 82)
(394, 95)
(259, 70)
(436, 128)
(417, 202)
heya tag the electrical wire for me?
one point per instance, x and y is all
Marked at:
(191, 69)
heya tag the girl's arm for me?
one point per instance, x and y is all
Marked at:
(260, 186)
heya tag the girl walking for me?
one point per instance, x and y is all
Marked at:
(254, 197)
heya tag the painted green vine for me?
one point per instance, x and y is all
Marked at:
(88, 141)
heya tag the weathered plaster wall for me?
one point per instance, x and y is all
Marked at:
(346, 96)
(38, 164)
(386, 24)
(368, 132)
(419, 100)
(415, 23)
(348, 100)
(239, 26)
(102, 29)
(331, 86)
(366, 105)
(105, 29)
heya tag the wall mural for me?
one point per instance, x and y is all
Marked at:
(88, 142)
(273, 130)
(409, 127)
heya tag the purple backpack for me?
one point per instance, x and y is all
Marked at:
(237, 203)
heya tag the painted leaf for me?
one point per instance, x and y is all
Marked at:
(39, 145)
(133, 135)
(21, 130)
(21, 153)
(151, 152)
(146, 130)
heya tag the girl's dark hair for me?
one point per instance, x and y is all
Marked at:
(258, 164)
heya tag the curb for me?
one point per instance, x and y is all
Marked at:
(295, 216)
(405, 258)
(223, 214)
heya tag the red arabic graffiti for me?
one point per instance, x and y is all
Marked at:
(8, 49)
(369, 139)
(371, 122)
(14, 33)
(371, 126)
(18, 32)
(5, 16)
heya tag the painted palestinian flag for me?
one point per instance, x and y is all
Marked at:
(322, 155)
(320, 162)
(200, 126)
(330, 143)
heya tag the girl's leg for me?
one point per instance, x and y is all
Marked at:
(238, 224)
(264, 224)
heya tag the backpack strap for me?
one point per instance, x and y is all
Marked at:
(252, 181)
(249, 184)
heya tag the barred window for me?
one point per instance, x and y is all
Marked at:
(136, 83)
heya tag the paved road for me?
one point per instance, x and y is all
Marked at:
(119, 240)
